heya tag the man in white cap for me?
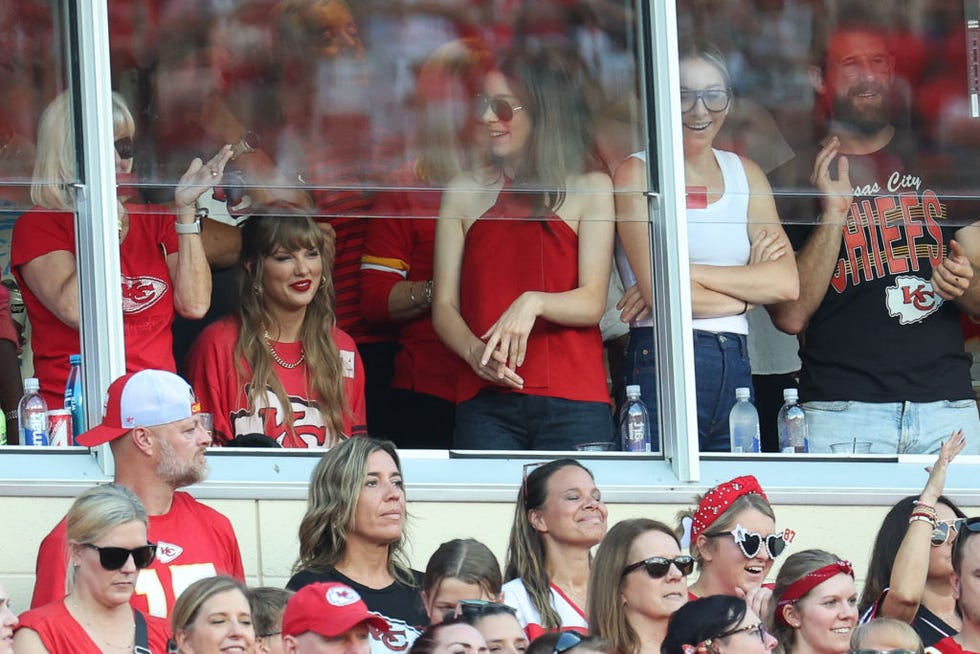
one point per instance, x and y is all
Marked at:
(151, 424)
(329, 618)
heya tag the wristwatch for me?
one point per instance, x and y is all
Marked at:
(194, 227)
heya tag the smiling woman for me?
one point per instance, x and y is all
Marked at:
(107, 547)
(213, 616)
(281, 368)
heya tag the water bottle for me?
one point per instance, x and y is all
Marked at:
(791, 424)
(32, 414)
(634, 422)
(743, 423)
(74, 399)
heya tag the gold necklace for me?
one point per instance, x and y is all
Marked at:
(92, 631)
(275, 355)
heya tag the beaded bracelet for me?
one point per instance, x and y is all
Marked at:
(923, 504)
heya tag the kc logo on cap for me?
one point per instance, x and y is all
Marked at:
(342, 596)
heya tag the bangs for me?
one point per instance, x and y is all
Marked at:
(293, 233)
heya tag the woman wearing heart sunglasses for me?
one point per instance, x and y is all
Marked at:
(107, 547)
(720, 624)
(644, 557)
(734, 540)
(814, 604)
(908, 576)
(522, 262)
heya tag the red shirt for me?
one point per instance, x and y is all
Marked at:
(60, 632)
(948, 645)
(193, 542)
(147, 303)
(211, 371)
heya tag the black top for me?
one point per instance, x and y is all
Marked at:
(398, 601)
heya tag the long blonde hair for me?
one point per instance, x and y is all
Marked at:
(290, 228)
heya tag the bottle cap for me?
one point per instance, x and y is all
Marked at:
(75, 359)
(791, 394)
(633, 390)
(32, 384)
(742, 393)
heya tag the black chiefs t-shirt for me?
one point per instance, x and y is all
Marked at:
(881, 333)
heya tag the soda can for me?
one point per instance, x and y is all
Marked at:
(59, 427)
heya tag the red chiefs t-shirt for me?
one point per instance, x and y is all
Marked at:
(211, 371)
(147, 292)
(193, 542)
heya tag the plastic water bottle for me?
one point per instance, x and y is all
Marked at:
(74, 398)
(743, 423)
(32, 414)
(791, 424)
(634, 422)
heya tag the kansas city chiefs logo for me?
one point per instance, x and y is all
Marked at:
(167, 552)
(911, 299)
(141, 293)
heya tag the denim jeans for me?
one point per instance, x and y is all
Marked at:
(721, 364)
(515, 421)
(892, 427)
(640, 368)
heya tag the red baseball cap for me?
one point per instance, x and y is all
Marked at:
(141, 399)
(329, 609)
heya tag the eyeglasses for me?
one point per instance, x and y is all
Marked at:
(476, 608)
(658, 566)
(751, 542)
(124, 147)
(503, 110)
(566, 641)
(113, 558)
(713, 99)
(759, 628)
(945, 531)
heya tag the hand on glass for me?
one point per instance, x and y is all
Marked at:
(953, 275)
(837, 193)
(200, 177)
(631, 306)
(507, 338)
(937, 471)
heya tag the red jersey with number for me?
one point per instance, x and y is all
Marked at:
(211, 371)
(147, 292)
(60, 632)
(193, 542)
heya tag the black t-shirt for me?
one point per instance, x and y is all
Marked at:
(880, 334)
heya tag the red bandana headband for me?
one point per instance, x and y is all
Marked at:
(717, 500)
(799, 588)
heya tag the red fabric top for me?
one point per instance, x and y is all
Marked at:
(401, 248)
(148, 299)
(193, 542)
(507, 253)
(948, 645)
(60, 632)
(211, 371)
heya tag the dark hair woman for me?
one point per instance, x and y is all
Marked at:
(558, 519)
(461, 569)
(281, 367)
(720, 624)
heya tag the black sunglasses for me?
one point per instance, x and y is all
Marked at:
(751, 542)
(476, 608)
(658, 566)
(113, 558)
(881, 651)
(502, 109)
(124, 147)
(566, 641)
(971, 525)
(759, 628)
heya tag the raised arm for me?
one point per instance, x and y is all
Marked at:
(816, 259)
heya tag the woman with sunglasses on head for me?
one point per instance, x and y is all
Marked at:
(281, 367)
(497, 623)
(733, 539)
(162, 257)
(569, 642)
(450, 636)
(645, 557)
(559, 518)
(740, 256)
(353, 532)
(107, 547)
(461, 569)
(720, 624)
(213, 616)
(522, 262)
(908, 576)
(814, 604)
(885, 636)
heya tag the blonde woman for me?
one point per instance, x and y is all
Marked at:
(213, 616)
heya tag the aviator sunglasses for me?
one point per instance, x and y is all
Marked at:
(751, 542)
(113, 558)
(502, 109)
(658, 566)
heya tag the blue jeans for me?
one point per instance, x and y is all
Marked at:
(516, 421)
(892, 427)
(640, 368)
(721, 364)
